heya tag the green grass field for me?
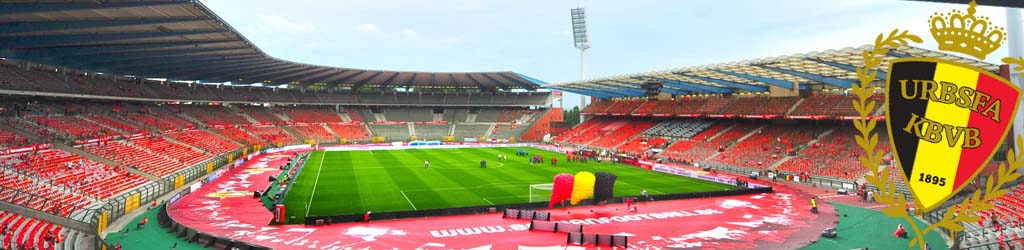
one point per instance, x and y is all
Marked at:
(353, 182)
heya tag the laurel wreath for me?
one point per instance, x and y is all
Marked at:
(868, 141)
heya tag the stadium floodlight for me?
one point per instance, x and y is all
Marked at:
(582, 42)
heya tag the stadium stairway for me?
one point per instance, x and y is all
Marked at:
(344, 117)
(222, 136)
(490, 130)
(119, 130)
(331, 131)
(291, 131)
(175, 141)
(192, 120)
(795, 105)
(806, 145)
(91, 156)
(748, 135)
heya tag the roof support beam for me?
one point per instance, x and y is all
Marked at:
(219, 69)
(618, 89)
(499, 84)
(148, 62)
(318, 76)
(147, 54)
(478, 84)
(237, 73)
(12, 28)
(36, 7)
(517, 81)
(101, 49)
(362, 82)
(881, 73)
(294, 76)
(696, 87)
(103, 38)
(898, 54)
(261, 75)
(408, 85)
(842, 83)
(770, 81)
(586, 92)
(503, 86)
(387, 82)
(343, 77)
(189, 67)
(731, 84)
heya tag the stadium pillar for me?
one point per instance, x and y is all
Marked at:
(1015, 42)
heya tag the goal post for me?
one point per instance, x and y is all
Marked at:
(541, 192)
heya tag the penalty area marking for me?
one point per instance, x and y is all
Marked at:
(321, 167)
(407, 199)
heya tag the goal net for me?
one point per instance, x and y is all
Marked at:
(541, 192)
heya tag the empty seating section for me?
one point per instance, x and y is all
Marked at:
(641, 143)
(213, 115)
(816, 105)
(622, 107)
(715, 105)
(262, 115)
(506, 132)
(431, 131)
(355, 115)
(647, 108)
(836, 155)
(409, 115)
(487, 115)
(63, 169)
(475, 131)
(74, 126)
(238, 135)
(678, 128)
(392, 132)
(182, 154)
(136, 157)
(583, 132)
(27, 233)
(314, 132)
(621, 134)
(350, 132)
(37, 195)
(833, 105)
(683, 107)
(124, 127)
(206, 141)
(598, 107)
(768, 145)
(160, 122)
(274, 135)
(9, 139)
(312, 115)
(761, 106)
(703, 148)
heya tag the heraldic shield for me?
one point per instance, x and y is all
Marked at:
(945, 120)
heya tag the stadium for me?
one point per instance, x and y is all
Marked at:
(156, 124)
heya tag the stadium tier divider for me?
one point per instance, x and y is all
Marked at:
(323, 220)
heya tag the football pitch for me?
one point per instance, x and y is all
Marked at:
(353, 182)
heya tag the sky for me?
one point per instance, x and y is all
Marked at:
(534, 38)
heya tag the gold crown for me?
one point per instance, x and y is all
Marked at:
(966, 34)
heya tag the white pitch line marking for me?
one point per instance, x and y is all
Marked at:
(310, 203)
(410, 201)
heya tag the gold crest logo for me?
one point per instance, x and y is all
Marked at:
(945, 120)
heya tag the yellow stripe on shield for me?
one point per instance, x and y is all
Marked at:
(928, 164)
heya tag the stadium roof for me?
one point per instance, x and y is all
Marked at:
(830, 68)
(184, 40)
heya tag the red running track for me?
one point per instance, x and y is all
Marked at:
(226, 208)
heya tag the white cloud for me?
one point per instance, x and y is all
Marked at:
(408, 32)
(278, 24)
(368, 28)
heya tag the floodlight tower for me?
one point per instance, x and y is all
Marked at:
(582, 42)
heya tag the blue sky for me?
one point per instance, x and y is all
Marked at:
(534, 38)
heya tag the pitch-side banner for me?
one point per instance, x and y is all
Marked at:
(946, 120)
